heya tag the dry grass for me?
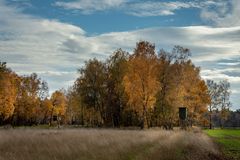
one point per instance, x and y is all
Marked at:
(87, 144)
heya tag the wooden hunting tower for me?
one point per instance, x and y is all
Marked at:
(182, 113)
(183, 118)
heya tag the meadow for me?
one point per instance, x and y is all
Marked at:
(228, 140)
(105, 144)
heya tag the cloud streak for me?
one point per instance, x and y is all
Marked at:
(149, 8)
(135, 8)
(216, 12)
(90, 6)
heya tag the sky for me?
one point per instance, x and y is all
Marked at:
(54, 38)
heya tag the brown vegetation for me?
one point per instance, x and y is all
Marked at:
(71, 144)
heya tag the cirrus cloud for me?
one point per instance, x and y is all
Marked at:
(215, 12)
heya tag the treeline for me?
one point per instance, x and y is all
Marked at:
(24, 99)
(143, 89)
(232, 120)
(220, 101)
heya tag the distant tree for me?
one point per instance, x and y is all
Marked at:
(214, 93)
(140, 81)
(224, 97)
(238, 111)
(233, 119)
(43, 92)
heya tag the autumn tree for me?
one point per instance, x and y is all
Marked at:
(140, 81)
(195, 94)
(28, 100)
(92, 88)
(74, 109)
(46, 111)
(179, 77)
(181, 86)
(116, 98)
(170, 76)
(164, 110)
(58, 109)
(8, 91)
(101, 91)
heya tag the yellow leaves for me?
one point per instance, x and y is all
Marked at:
(7, 94)
(140, 81)
(47, 104)
(195, 96)
(151, 101)
(58, 100)
(6, 107)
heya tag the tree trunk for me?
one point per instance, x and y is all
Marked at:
(210, 121)
(51, 118)
(144, 119)
(144, 124)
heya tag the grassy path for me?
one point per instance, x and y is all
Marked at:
(228, 140)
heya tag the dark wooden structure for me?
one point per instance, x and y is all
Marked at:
(183, 117)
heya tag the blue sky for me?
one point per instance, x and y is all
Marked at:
(54, 37)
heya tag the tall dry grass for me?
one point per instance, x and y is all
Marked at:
(104, 144)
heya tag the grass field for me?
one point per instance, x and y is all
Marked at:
(105, 144)
(228, 140)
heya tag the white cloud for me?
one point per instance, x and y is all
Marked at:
(226, 13)
(150, 8)
(235, 91)
(229, 64)
(90, 6)
(218, 75)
